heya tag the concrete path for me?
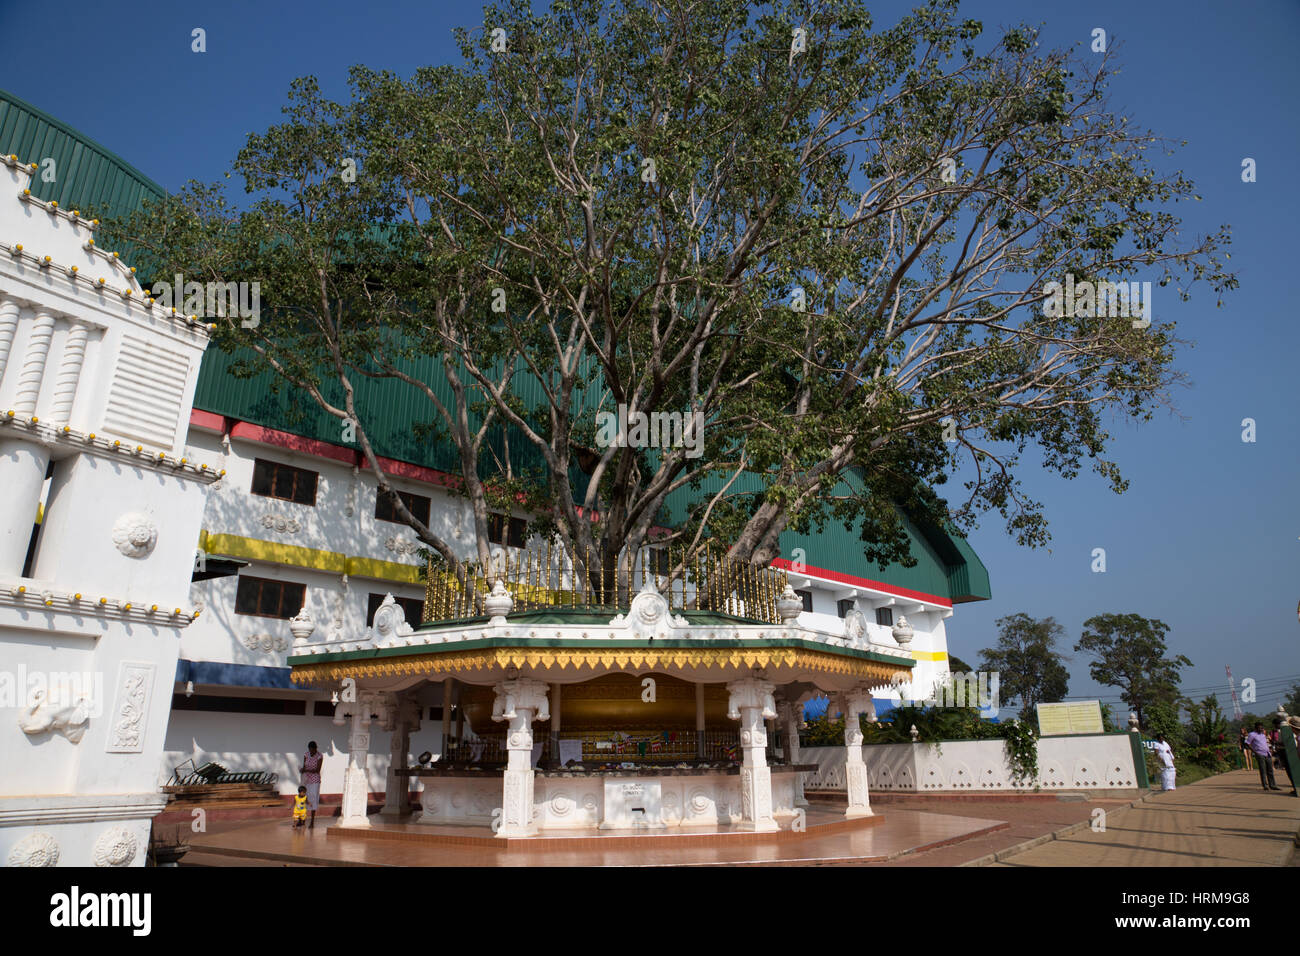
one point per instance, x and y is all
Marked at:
(1226, 820)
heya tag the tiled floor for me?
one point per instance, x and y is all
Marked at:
(896, 832)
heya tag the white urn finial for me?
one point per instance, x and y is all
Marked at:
(916, 734)
(902, 631)
(498, 604)
(302, 626)
(789, 605)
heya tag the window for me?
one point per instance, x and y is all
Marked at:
(510, 534)
(806, 597)
(267, 598)
(885, 616)
(418, 505)
(274, 480)
(843, 607)
(413, 608)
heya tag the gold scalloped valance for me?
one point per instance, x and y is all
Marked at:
(665, 659)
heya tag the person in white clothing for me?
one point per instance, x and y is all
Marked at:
(1166, 755)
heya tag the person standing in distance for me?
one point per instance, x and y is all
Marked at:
(1166, 755)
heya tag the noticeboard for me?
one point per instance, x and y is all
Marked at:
(1075, 717)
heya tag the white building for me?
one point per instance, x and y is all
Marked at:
(99, 510)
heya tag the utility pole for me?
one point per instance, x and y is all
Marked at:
(1232, 689)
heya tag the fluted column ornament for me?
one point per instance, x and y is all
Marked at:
(65, 386)
(33, 368)
(9, 310)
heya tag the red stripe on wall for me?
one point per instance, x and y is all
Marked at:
(855, 581)
(208, 421)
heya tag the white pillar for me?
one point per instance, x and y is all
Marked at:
(33, 368)
(557, 703)
(699, 721)
(791, 714)
(397, 789)
(8, 329)
(751, 701)
(356, 784)
(65, 384)
(519, 701)
(857, 701)
(447, 686)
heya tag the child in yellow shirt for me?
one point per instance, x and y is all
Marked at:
(300, 807)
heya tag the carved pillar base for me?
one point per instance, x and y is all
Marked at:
(756, 800)
(855, 780)
(356, 793)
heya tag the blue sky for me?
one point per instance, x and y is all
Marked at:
(1208, 535)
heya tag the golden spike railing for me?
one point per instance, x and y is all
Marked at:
(549, 576)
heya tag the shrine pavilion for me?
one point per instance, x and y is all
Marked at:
(645, 704)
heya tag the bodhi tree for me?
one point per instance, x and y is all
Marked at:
(833, 244)
(1029, 666)
(1129, 652)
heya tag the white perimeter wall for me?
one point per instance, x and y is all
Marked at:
(1082, 762)
(247, 742)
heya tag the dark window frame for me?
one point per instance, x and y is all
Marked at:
(419, 505)
(252, 584)
(508, 534)
(806, 597)
(844, 605)
(885, 616)
(268, 476)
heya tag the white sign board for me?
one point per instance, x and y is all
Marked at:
(1075, 717)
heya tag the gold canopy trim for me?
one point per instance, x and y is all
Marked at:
(597, 659)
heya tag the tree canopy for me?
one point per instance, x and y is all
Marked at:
(1031, 669)
(832, 241)
(1129, 652)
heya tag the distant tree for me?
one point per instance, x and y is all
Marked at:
(1162, 718)
(1292, 700)
(1207, 721)
(1108, 724)
(1030, 667)
(958, 666)
(1129, 652)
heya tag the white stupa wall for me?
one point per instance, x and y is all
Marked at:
(96, 385)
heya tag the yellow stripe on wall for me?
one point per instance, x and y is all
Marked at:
(385, 570)
(291, 554)
(929, 655)
(331, 562)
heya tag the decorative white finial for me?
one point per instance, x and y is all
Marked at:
(498, 604)
(301, 626)
(789, 605)
(902, 631)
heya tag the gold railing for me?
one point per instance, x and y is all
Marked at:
(541, 578)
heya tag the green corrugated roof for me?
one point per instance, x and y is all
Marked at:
(86, 174)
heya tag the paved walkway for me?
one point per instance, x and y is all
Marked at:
(1226, 820)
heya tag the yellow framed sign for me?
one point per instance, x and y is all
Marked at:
(1075, 717)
